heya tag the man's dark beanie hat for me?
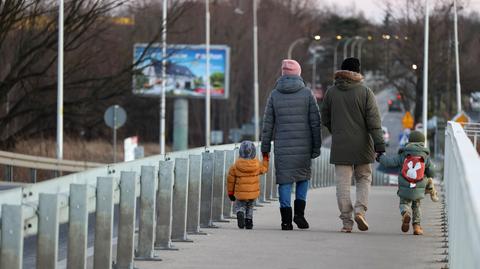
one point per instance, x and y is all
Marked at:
(351, 64)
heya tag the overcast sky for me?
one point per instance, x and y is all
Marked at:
(373, 9)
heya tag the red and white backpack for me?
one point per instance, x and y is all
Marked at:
(413, 169)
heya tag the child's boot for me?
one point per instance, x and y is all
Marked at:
(417, 229)
(240, 219)
(430, 189)
(299, 214)
(406, 221)
(286, 213)
(248, 224)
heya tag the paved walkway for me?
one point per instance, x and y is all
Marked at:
(322, 246)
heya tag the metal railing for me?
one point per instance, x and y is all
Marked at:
(462, 185)
(10, 160)
(473, 132)
(178, 194)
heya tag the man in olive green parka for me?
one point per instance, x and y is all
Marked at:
(350, 113)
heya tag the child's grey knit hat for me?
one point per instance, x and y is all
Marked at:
(247, 150)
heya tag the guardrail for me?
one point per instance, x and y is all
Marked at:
(473, 131)
(462, 185)
(10, 160)
(178, 194)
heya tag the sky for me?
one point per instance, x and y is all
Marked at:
(373, 9)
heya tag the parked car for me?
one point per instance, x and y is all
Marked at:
(395, 104)
(475, 101)
(386, 135)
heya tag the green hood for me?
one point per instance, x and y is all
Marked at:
(289, 84)
(417, 149)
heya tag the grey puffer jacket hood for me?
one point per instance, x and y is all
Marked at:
(292, 121)
(289, 84)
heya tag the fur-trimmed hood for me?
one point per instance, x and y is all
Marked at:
(350, 75)
(344, 79)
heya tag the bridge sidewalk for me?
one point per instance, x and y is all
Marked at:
(322, 246)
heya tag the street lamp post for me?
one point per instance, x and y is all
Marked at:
(255, 72)
(357, 39)
(457, 60)
(164, 78)
(345, 47)
(339, 39)
(425, 71)
(359, 50)
(59, 149)
(293, 44)
(207, 74)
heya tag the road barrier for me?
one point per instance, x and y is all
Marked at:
(177, 194)
(462, 185)
(34, 163)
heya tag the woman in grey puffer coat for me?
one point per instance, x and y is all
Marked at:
(292, 121)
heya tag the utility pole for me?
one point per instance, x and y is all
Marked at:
(60, 82)
(457, 60)
(164, 78)
(207, 74)
(255, 73)
(425, 72)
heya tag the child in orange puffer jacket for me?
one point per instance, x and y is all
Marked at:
(244, 183)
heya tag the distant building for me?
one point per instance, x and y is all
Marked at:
(179, 77)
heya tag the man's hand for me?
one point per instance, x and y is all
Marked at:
(315, 155)
(379, 155)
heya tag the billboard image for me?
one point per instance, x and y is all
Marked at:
(185, 71)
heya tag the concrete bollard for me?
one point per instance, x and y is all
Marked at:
(269, 182)
(227, 204)
(207, 191)
(11, 251)
(146, 235)
(218, 186)
(126, 223)
(164, 206)
(274, 177)
(47, 238)
(313, 177)
(77, 227)
(262, 197)
(194, 189)
(102, 257)
(180, 199)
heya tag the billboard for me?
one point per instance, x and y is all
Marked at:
(185, 70)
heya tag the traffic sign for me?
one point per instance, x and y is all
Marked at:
(115, 117)
(461, 118)
(407, 120)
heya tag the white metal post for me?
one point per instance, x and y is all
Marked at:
(60, 82)
(207, 74)
(345, 48)
(359, 51)
(457, 60)
(255, 72)
(335, 56)
(164, 78)
(314, 70)
(425, 72)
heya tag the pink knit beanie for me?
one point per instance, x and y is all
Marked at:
(291, 67)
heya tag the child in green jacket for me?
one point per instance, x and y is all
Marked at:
(414, 179)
